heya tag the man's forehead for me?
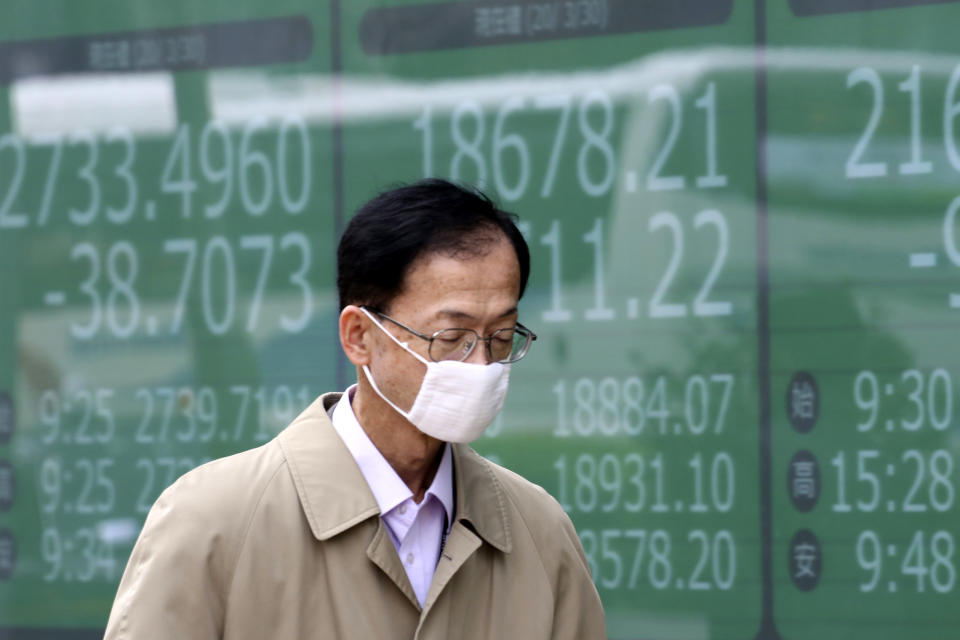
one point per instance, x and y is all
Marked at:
(500, 260)
(476, 245)
(461, 287)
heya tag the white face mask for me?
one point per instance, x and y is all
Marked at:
(457, 401)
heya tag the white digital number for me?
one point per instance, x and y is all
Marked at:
(124, 171)
(561, 103)
(88, 252)
(855, 167)
(600, 310)
(596, 140)
(658, 308)
(8, 218)
(468, 147)
(708, 102)
(298, 241)
(702, 306)
(517, 146)
(916, 165)
(655, 181)
(214, 172)
(254, 169)
(556, 312)
(83, 217)
(218, 275)
(183, 185)
(294, 126)
(53, 172)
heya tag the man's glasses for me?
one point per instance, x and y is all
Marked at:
(503, 345)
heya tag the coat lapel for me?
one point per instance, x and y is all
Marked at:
(481, 500)
(481, 517)
(333, 492)
(383, 554)
(461, 544)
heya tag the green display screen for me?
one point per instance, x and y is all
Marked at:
(744, 221)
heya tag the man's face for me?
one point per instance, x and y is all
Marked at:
(440, 292)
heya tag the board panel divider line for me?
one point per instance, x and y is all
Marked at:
(336, 71)
(768, 627)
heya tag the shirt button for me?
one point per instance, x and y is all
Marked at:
(409, 558)
(402, 509)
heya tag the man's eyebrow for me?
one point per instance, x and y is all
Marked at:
(455, 314)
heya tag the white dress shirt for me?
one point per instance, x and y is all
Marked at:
(417, 530)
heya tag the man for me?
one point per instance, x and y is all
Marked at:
(360, 521)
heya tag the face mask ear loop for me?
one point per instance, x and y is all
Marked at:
(402, 345)
(366, 370)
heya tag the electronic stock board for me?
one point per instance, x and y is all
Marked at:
(744, 220)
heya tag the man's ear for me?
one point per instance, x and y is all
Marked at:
(354, 335)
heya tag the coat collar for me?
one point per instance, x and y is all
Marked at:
(335, 497)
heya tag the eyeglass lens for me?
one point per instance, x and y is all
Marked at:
(505, 345)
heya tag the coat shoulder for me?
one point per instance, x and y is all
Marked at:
(178, 576)
(226, 483)
(221, 496)
(522, 490)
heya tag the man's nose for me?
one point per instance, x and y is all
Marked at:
(479, 354)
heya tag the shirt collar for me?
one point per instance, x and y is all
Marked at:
(388, 489)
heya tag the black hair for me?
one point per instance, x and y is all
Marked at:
(394, 229)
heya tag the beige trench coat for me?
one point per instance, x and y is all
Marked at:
(285, 542)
